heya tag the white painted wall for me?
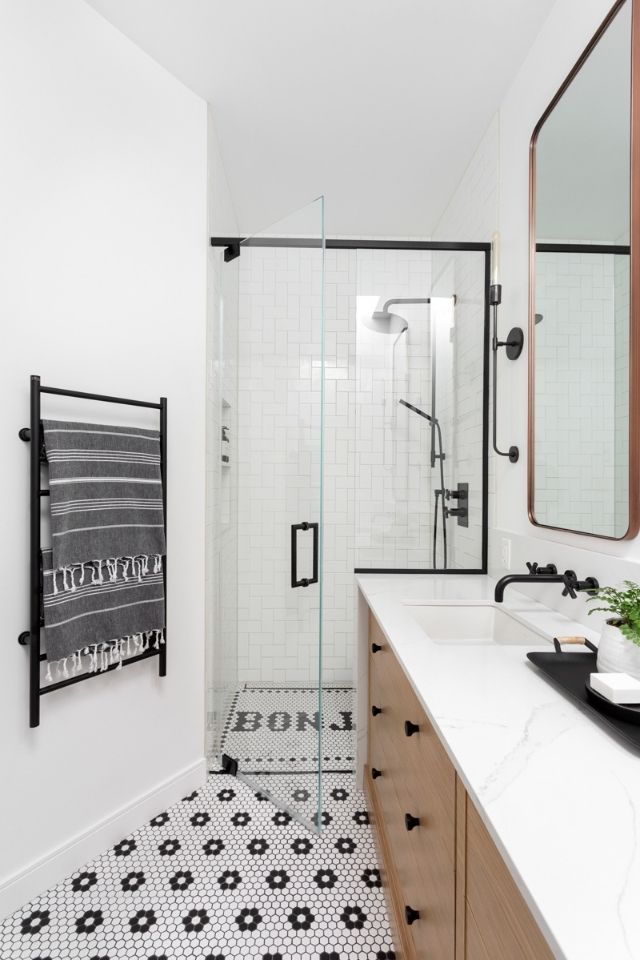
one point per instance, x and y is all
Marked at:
(102, 254)
(492, 195)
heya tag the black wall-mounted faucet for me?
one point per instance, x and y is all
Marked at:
(547, 574)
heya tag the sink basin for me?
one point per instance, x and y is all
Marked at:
(473, 624)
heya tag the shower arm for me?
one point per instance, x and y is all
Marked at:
(513, 346)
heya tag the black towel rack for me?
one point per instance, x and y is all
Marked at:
(31, 637)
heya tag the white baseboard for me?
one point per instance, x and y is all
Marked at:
(65, 859)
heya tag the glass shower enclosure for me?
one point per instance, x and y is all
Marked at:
(347, 425)
(273, 728)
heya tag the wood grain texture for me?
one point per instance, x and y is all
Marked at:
(503, 920)
(461, 874)
(417, 778)
(448, 867)
(401, 935)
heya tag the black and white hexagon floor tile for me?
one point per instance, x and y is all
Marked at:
(221, 874)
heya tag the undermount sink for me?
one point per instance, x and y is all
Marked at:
(473, 624)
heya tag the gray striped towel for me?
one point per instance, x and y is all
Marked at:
(106, 491)
(118, 603)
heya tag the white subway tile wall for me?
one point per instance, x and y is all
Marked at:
(581, 383)
(378, 484)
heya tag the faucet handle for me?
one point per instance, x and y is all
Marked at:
(570, 584)
(536, 570)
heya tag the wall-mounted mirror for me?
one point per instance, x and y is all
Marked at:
(583, 345)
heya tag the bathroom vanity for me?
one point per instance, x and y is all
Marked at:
(486, 786)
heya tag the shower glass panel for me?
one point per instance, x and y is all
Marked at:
(274, 725)
(420, 384)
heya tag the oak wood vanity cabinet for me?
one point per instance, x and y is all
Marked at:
(451, 895)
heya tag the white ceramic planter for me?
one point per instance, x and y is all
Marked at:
(616, 654)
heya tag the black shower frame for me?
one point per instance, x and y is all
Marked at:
(37, 457)
(233, 246)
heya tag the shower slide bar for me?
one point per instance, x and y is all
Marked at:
(31, 638)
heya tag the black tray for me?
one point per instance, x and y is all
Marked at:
(570, 672)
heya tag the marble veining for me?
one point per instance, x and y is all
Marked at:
(559, 795)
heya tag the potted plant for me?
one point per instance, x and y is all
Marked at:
(619, 648)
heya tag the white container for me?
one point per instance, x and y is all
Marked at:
(617, 687)
(616, 654)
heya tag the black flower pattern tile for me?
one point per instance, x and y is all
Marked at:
(301, 918)
(195, 920)
(241, 818)
(125, 848)
(200, 819)
(35, 921)
(160, 820)
(89, 920)
(229, 880)
(133, 881)
(213, 847)
(345, 845)
(248, 919)
(142, 921)
(84, 881)
(169, 847)
(248, 881)
(181, 880)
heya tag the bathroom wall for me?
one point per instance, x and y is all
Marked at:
(493, 194)
(103, 247)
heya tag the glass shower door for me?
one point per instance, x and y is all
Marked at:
(274, 727)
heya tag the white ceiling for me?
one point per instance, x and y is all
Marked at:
(377, 104)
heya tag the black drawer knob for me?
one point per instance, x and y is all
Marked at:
(410, 821)
(410, 728)
(375, 647)
(411, 915)
(375, 773)
(375, 711)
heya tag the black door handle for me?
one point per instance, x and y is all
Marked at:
(410, 821)
(410, 728)
(375, 711)
(303, 581)
(375, 647)
(375, 773)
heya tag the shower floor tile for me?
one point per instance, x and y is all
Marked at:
(273, 729)
(220, 874)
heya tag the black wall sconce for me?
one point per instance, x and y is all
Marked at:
(513, 344)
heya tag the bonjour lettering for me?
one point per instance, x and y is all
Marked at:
(279, 721)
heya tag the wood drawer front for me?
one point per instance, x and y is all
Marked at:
(424, 858)
(429, 775)
(425, 875)
(500, 918)
(475, 948)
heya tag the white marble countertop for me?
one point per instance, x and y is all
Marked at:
(560, 797)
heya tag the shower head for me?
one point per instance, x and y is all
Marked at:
(383, 321)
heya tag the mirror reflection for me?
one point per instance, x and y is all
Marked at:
(580, 295)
